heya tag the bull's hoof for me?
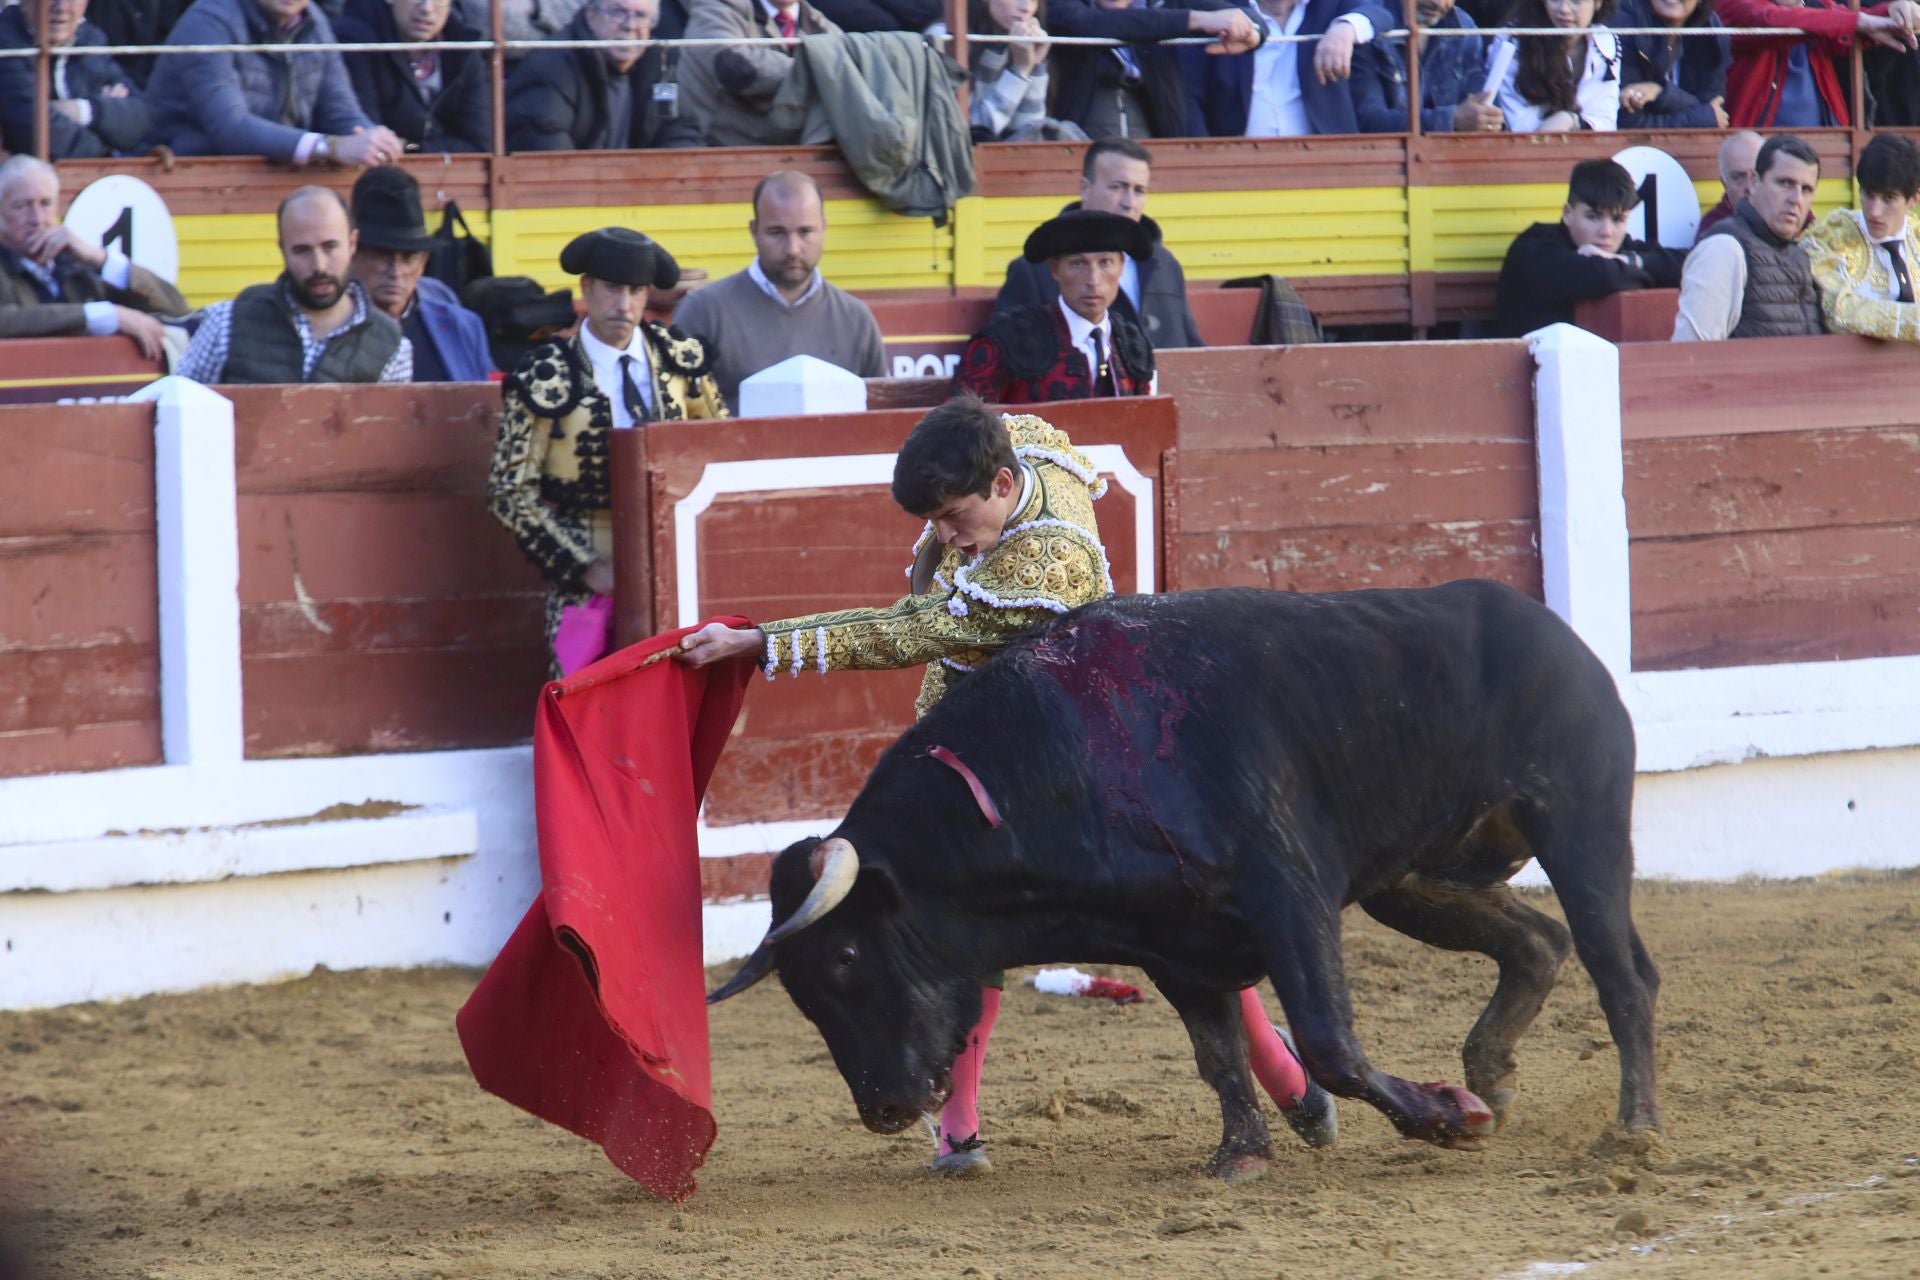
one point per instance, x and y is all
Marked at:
(962, 1164)
(1237, 1167)
(1461, 1121)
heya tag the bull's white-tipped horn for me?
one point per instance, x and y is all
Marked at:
(836, 866)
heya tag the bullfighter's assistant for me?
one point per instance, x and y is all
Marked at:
(1010, 540)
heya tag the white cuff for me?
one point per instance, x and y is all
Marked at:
(103, 319)
(118, 270)
(86, 111)
(303, 152)
(1362, 26)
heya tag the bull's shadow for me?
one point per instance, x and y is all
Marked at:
(1196, 784)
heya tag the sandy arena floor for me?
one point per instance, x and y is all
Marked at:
(328, 1128)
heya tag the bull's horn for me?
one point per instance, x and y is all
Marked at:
(758, 966)
(835, 867)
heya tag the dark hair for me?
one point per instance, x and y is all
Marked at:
(1889, 165)
(786, 178)
(1602, 184)
(1548, 75)
(1114, 147)
(1784, 144)
(955, 450)
(302, 193)
(980, 18)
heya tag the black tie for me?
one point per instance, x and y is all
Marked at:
(1102, 371)
(630, 391)
(1899, 271)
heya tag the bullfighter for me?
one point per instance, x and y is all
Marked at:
(1010, 540)
(1076, 347)
(549, 481)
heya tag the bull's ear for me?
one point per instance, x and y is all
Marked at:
(878, 882)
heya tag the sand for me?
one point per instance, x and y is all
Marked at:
(327, 1127)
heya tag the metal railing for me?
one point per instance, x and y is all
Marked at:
(957, 37)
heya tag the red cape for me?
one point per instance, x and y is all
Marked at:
(594, 1016)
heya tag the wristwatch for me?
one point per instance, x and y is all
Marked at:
(323, 149)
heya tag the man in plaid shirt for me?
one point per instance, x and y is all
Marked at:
(313, 324)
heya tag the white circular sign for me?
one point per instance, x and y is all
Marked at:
(120, 211)
(1664, 184)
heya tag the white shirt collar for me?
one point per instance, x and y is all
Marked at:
(1078, 330)
(772, 290)
(606, 370)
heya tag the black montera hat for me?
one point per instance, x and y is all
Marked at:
(1086, 231)
(620, 256)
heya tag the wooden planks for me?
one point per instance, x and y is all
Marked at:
(382, 607)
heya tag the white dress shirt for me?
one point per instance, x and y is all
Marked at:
(1277, 109)
(606, 371)
(1864, 286)
(1080, 333)
(772, 290)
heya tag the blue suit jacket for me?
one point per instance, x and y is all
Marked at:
(1220, 89)
(459, 336)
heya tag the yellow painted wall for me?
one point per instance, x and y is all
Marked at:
(1345, 231)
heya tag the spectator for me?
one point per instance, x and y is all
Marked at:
(313, 324)
(1285, 90)
(1114, 176)
(780, 306)
(1864, 260)
(549, 482)
(1560, 84)
(885, 15)
(1737, 155)
(1452, 73)
(1076, 347)
(1009, 98)
(1587, 254)
(125, 22)
(1673, 81)
(54, 282)
(727, 91)
(390, 262)
(597, 99)
(433, 101)
(294, 109)
(1789, 81)
(1749, 277)
(1138, 90)
(95, 111)
(545, 19)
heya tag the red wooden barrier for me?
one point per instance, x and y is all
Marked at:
(38, 370)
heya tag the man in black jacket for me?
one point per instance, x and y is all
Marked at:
(1136, 90)
(95, 111)
(883, 15)
(1587, 254)
(435, 100)
(598, 99)
(1114, 177)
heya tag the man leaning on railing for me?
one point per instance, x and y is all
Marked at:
(296, 110)
(435, 100)
(95, 110)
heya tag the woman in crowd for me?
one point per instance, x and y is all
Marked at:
(1555, 84)
(1673, 81)
(1789, 81)
(1009, 98)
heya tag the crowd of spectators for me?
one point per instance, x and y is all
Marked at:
(1268, 68)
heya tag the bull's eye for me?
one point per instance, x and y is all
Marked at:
(845, 957)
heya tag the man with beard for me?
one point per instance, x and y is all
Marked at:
(313, 324)
(1078, 346)
(780, 306)
(1114, 177)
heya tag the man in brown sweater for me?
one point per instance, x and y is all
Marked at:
(53, 282)
(780, 306)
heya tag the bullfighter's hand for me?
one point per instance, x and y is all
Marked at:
(717, 642)
(599, 577)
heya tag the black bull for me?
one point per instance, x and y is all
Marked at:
(1197, 784)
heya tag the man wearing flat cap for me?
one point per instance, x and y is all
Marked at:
(1076, 347)
(390, 262)
(549, 484)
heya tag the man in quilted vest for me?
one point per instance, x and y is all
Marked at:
(1750, 277)
(313, 324)
(1010, 540)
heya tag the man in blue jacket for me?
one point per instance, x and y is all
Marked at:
(1453, 72)
(95, 109)
(297, 110)
(1282, 89)
(390, 261)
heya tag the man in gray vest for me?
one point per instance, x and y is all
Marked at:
(313, 324)
(1750, 277)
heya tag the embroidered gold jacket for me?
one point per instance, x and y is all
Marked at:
(1048, 561)
(1857, 285)
(549, 482)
